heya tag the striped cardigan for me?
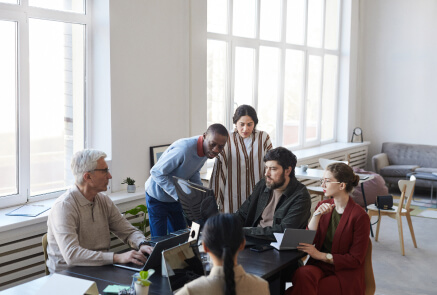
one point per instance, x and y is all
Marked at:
(238, 169)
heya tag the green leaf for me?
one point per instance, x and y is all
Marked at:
(129, 181)
(144, 275)
(144, 223)
(137, 209)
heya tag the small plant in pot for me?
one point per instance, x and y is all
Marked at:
(130, 184)
(142, 282)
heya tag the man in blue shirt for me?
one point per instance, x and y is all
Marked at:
(183, 159)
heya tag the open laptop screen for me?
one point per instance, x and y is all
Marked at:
(182, 265)
(154, 260)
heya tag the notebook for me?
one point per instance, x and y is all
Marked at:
(291, 238)
(154, 260)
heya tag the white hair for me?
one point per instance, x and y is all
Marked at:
(84, 161)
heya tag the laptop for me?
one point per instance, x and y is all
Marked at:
(363, 176)
(182, 264)
(291, 238)
(154, 259)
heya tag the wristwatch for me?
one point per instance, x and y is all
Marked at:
(143, 243)
(329, 257)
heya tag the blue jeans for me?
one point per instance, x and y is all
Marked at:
(163, 214)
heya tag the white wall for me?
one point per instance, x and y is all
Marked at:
(398, 71)
(153, 99)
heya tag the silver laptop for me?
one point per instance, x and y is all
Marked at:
(154, 260)
(291, 238)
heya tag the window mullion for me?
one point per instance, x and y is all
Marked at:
(56, 15)
(338, 54)
(230, 64)
(302, 137)
(231, 80)
(23, 107)
(257, 47)
(319, 121)
(281, 94)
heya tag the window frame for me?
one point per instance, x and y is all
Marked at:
(234, 41)
(21, 13)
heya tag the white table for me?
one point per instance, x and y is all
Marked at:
(28, 288)
(316, 174)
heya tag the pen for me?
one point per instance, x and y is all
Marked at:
(318, 213)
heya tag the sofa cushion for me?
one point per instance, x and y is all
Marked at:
(410, 154)
(397, 170)
(426, 170)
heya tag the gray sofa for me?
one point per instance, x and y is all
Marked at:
(398, 159)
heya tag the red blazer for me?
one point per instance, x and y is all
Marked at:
(349, 246)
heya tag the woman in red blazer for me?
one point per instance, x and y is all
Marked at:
(336, 264)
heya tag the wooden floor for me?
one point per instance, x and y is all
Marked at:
(414, 273)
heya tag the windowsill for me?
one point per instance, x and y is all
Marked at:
(320, 151)
(308, 153)
(14, 222)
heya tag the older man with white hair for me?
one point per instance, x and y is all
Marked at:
(81, 220)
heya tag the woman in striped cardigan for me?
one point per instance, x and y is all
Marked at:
(240, 165)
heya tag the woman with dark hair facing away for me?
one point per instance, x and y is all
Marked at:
(336, 264)
(240, 165)
(222, 239)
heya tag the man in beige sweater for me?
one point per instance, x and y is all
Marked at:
(81, 220)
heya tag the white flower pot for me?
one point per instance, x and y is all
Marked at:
(131, 188)
(141, 289)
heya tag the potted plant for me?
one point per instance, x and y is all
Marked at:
(142, 282)
(142, 226)
(130, 184)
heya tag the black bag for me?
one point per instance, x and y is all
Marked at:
(384, 202)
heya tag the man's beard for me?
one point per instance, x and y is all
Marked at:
(274, 185)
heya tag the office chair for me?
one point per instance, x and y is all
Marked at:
(44, 248)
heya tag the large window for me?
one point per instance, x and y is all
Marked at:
(42, 96)
(280, 56)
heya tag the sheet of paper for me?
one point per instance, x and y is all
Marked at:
(30, 210)
(65, 285)
(278, 237)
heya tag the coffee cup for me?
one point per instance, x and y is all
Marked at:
(304, 168)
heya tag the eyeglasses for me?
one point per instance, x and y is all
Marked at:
(105, 170)
(327, 181)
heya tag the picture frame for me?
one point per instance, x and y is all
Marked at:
(156, 152)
